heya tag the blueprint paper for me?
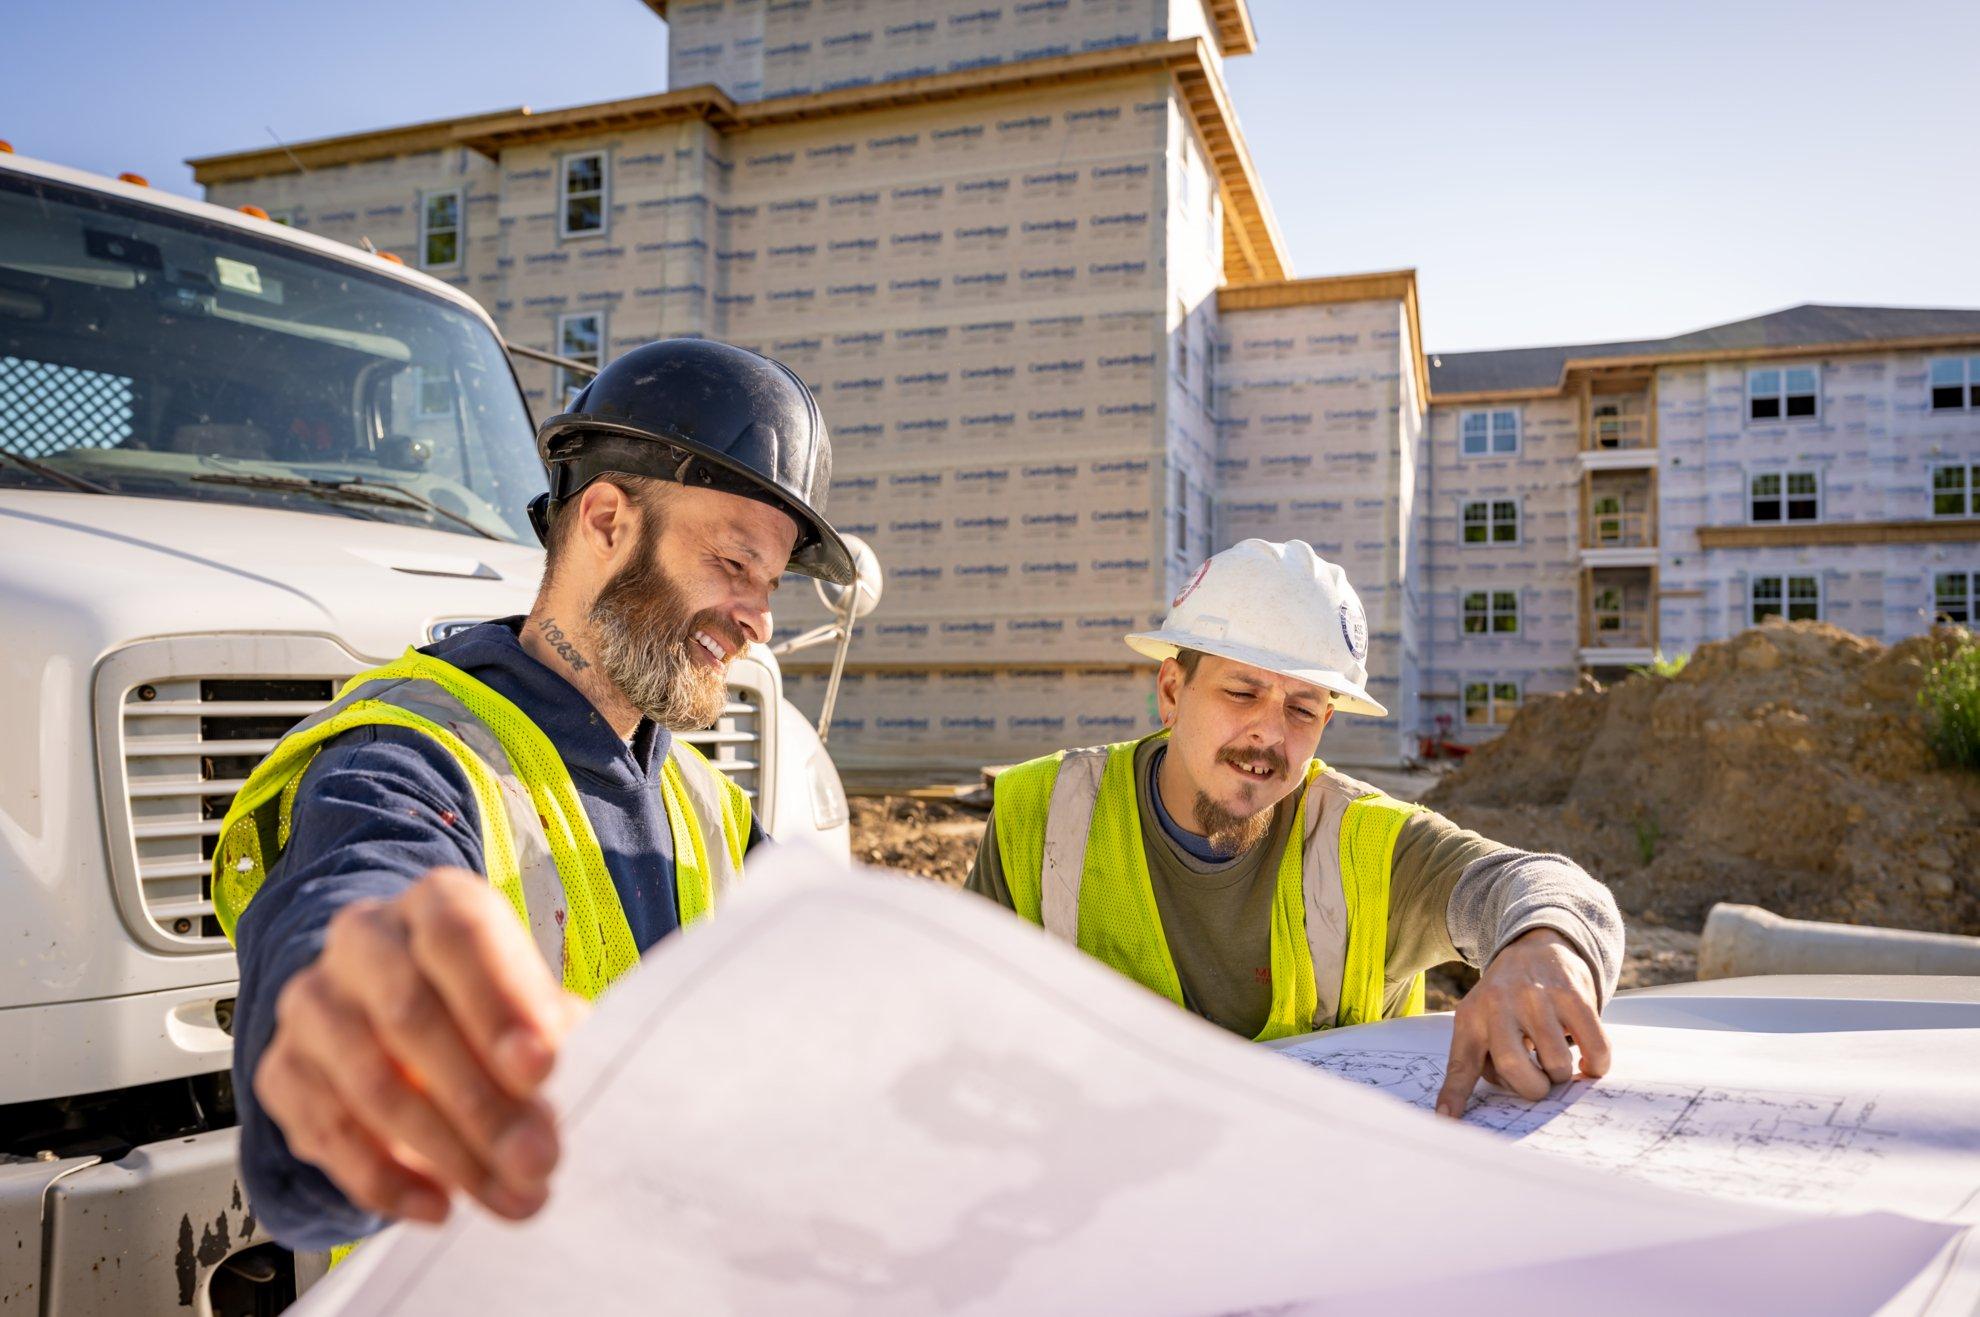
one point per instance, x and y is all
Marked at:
(1828, 1122)
(860, 1094)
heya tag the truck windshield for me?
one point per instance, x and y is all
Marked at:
(144, 352)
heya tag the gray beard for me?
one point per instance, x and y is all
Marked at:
(642, 632)
(1230, 834)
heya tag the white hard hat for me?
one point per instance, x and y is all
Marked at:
(1280, 607)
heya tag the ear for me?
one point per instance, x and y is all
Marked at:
(1168, 690)
(608, 524)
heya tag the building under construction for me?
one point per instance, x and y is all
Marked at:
(1022, 255)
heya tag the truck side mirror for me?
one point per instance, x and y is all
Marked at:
(864, 592)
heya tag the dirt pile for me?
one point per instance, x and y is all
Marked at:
(1787, 767)
(924, 837)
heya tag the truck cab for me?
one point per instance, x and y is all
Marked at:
(238, 464)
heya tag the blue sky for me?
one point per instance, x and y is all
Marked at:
(1556, 172)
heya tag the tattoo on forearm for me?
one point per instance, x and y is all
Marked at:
(561, 643)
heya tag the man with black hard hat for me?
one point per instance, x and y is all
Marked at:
(428, 879)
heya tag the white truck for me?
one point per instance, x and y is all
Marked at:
(238, 463)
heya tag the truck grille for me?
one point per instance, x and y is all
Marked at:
(735, 743)
(189, 744)
(185, 744)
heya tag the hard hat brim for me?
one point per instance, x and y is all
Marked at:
(819, 552)
(1348, 696)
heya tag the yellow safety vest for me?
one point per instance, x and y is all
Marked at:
(1069, 839)
(537, 842)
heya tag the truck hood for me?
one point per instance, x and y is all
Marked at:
(109, 569)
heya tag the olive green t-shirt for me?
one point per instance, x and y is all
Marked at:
(1217, 915)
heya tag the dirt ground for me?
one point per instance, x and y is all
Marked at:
(1786, 768)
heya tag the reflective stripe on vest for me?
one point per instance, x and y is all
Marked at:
(538, 846)
(1070, 843)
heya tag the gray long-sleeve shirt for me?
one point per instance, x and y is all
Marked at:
(1453, 895)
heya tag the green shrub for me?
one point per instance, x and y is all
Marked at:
(1951, 696)
(1648, 833)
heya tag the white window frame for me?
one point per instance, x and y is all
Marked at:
(1784, 474)
(1494, 609)
(566, 385)
(458, 229)
(1491, 417)
(1781, 394)
(565, 195)
(1970, 604)
(1968, 383)
(1969, 491)
(1498, 707)
(1491, 521)
(1785, 583)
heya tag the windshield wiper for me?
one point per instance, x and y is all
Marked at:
(46, 472)
(355, 490)
(414, 497)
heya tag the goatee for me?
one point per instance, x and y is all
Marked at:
(646, 646)
(1228, 833)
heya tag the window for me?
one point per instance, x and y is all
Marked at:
(1179, 514)
(440, 229)
(1797, 598)
(436, 393)
(1491, 612)
(1956, 491)
(1490, 703)
(580, 337)
(1776, 395)
(581, 195)
(1956, 597)
(1491, 523)
(1956, 384)
(1182, 343)
(1489, 432)
(1783, 496)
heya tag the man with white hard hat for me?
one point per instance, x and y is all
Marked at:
(1221, 864)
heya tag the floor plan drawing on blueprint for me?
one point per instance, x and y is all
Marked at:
(1793, 1147)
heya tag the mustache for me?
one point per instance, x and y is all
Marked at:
(1269, 759)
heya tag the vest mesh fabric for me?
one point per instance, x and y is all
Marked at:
(1368, 845)
(1020, 797)
(598, 943)
(1118, 919)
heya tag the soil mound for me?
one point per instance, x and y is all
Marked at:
(1787, 767)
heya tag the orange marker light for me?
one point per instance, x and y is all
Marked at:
(6, 147)
(392, 257)
(135, 180)
(253, 212)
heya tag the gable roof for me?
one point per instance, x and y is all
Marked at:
(1805, 330)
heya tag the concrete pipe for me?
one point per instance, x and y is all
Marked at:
(1744, 939)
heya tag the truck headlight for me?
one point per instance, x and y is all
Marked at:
(828, 797)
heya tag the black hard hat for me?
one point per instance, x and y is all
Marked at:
(709, 415)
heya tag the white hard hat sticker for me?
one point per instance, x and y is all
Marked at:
(1190, 589)
(1354, 628)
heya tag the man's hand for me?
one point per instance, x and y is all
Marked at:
(406, 1060)
(1519, 1027)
